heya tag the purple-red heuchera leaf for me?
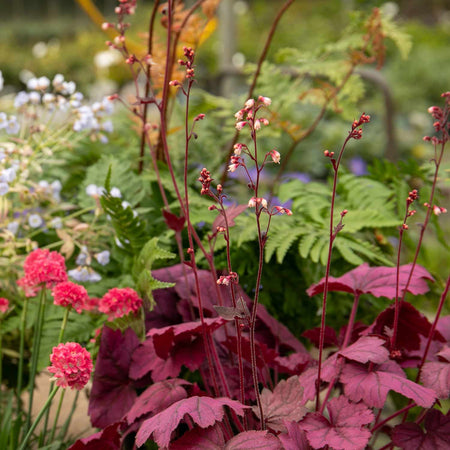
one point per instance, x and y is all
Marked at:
(254, 440)
(166, 338)
(210, 438)
(411, 325)
(345, 430)
(173, 222)
(112, 393)
(436, 376)
(204, 411)
(293, 364)
(365, 349)
(232, 212)
(157, 397)
(372, 386)
(443, 326)
(295, 438)
(264, 355)
(314, 336)
(107, 439)
(409, 436)
(284, 403)
(378, 281)
(145, 360)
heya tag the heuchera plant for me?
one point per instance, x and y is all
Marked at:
(216, 371)
(212, 368)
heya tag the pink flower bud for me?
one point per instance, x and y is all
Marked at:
(265, 100)
(275, 156)
(240, 125)
(252, 202)
(249, 103)
(257, 124)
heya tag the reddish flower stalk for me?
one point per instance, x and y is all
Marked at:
(354, 133)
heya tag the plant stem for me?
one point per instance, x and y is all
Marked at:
(327, 273)
(35, 352)
(256, 76)
(58, 411)
(38, 418)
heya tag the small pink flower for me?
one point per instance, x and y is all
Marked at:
(265, 100)
(240, 125)
(71, 365)
(42, 268)
(249, 103)
(252, 202)
(257, 124)
(275, 156)
(118, 302)
(70, 294)
(437, 210)
(4, 305)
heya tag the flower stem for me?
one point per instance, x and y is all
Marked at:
(35, 352)
(23, 446)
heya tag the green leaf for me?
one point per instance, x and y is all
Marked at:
(306, 243)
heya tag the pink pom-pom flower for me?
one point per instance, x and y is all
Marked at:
(70, 294)
(71, 365)
(118, 302)
(42, 268)
(4, 304)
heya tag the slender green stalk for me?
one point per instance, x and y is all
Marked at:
(65, 427)
(60, 338)
(23, 321)
(23, 446)
(58, 411)
(35, 353)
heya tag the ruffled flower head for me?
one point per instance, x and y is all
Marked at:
(42, 268)
(4, 305)
(71, 365)
(118, 302)
(70, 294)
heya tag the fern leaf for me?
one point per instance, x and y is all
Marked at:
(317, 248)
(305, 244)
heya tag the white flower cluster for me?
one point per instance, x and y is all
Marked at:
(7, 176)
(61, 95)
(84, 272)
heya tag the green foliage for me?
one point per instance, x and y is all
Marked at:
(142, 269)
(130, 230)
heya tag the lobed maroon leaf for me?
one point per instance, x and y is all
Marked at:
(173, 221)
(254, 440)
(107, 439)
(378, 281)
(314, 336)
(264, 355)
(157, 397)
(365, 349)
(409, 436)
(284, 403)
(344, 430)
(436, 376)
(443, 326)
(293, 364)
(232, 212)
(112, 393)
(164, 339)
(411, 325)
(210, 438)
(204, 411)
(295, 438)
(372, 386)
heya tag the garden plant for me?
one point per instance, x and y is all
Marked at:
(172, 269)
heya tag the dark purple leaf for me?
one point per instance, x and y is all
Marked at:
(254, 440)
(345, 430)
(436, 376)
(365, 349)
(372, 386)
(210, 438)
(204, 411)
(308, 378)
(113, 392)
(157, 397)
(264, 355)
(145, 360)
(232, 212)
(409, 436)
(411, 325)
(443, 326)
(314, 336)
(378, 281)
(173, 222)
(295, 439)
(293, 364)
(107, 439)
(284, 403)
